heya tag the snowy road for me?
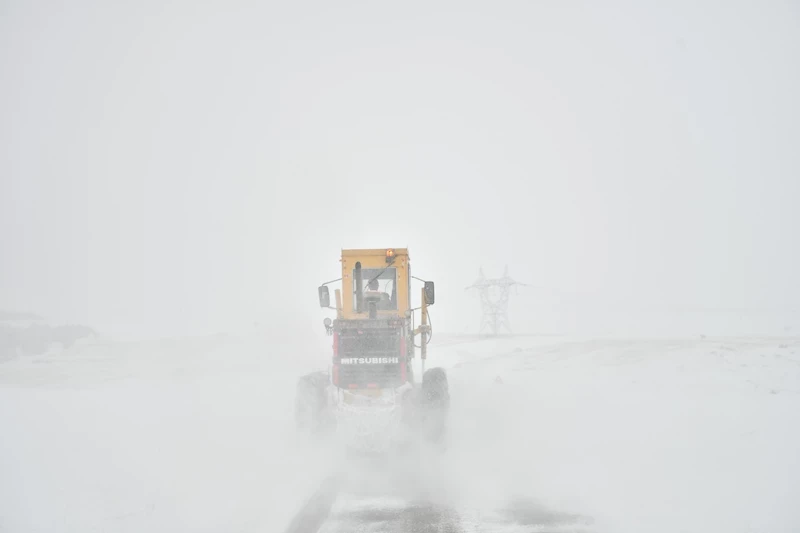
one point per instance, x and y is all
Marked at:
(346, 506)
(599, 435)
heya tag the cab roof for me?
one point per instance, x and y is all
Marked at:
(373, 251)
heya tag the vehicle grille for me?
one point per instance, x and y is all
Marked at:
(369, 358)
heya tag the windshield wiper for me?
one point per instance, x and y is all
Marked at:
(381, 272)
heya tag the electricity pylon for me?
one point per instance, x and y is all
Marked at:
(494, 295)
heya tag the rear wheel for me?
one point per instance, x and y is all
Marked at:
(434, 404)
(310, 406)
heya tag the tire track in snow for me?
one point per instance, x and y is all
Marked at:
(316, 510)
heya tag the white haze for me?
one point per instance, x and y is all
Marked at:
(193, 167)
(174, 170)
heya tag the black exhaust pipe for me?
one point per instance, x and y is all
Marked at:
(359, 289)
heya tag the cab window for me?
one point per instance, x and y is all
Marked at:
(384, 281)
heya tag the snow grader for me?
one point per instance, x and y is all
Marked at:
(369, 397)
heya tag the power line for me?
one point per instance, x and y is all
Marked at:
(495, 310)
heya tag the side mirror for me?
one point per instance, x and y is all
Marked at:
(324, 296)
(430, 294)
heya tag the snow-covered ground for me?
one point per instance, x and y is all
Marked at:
(196, 435)
(645, 435)
(171, 435)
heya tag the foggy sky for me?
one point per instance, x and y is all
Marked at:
(193, 166)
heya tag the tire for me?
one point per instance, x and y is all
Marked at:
(310, 406)
(434, 404)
